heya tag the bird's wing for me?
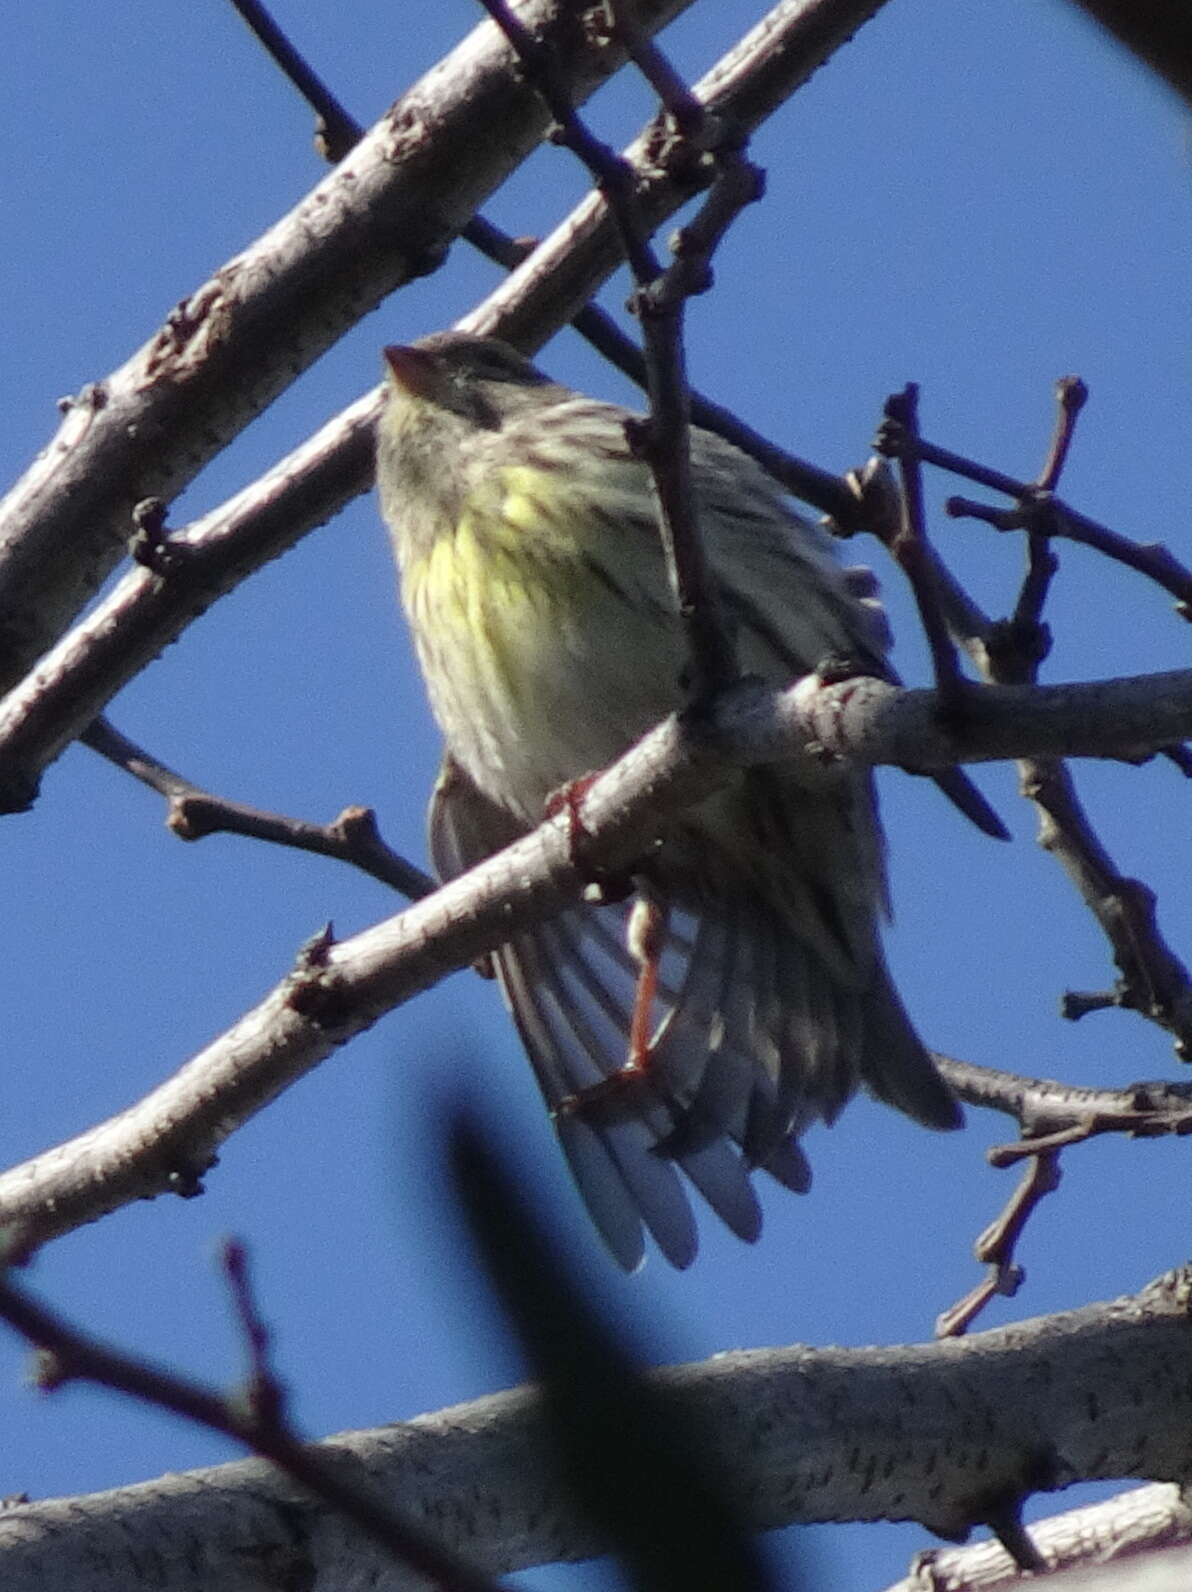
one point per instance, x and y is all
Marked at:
(792, 602)
(570, 985)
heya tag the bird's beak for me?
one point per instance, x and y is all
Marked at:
(413, 371)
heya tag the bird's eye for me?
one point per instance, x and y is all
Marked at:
(479, 408)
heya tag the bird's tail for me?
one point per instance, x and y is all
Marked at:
(755, 1036)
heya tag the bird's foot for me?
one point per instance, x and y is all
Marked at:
(604, 887)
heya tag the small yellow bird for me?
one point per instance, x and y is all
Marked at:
(526, 535)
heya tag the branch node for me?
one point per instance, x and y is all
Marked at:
(1016, 647)
(150, 544)
(313, 992)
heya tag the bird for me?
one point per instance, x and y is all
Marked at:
(531, 570)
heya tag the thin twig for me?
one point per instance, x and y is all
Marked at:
(1071, 395)
(997, 1243)
(233, 1261)
(680, 103)
(81, 672)
(1154, 981)
(336, 130)
(1055, 518)
(805, 480)
(614, 175)
(829, 493)
(1042, 567)
(1150, 559)
(899, 436)
(660, 304)
(1052, 1116)
(877, 509)
(353, 837)
(67, 1354)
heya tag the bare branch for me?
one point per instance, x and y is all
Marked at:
(910, 547)
(167, 1141)
(384, 216)
(82, 673)
(1154, 981)
(1071, 395)
(336, 130)
(258, 1421)
(693, 140)
(1037, 508)
(1052, 1114)
(778, 55)
(1122, 1532)
(997, 1243)
(1050, 517)
(802, 1434)
(192, 813)
(145, 610)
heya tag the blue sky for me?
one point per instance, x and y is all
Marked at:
(978, 198)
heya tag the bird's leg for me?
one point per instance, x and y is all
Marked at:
(645, 936)
(602, 886)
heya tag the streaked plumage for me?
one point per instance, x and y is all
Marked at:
(533, 578)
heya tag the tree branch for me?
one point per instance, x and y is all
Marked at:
(382, 218)
(1052, 1116)
(81, 674)
(1153, 981)
(801, 1435)
(336, 133)
(192, 813)
(1122, 1531)
(747, 85)
(254, 1417)
(166, 1142)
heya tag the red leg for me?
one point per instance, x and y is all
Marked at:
(646, 935)
(568, 798)
(603, 886)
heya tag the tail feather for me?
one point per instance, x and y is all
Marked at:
(565, 1052)
(966, 798)
(789, 1166)
(758, 1037)
(895, 1065)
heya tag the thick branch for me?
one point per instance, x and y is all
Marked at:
(386, 215)
(168, 1140)
(1122, 1531)
(79, 677)
(871, 722)
(942, 1433)
(254, 1415)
